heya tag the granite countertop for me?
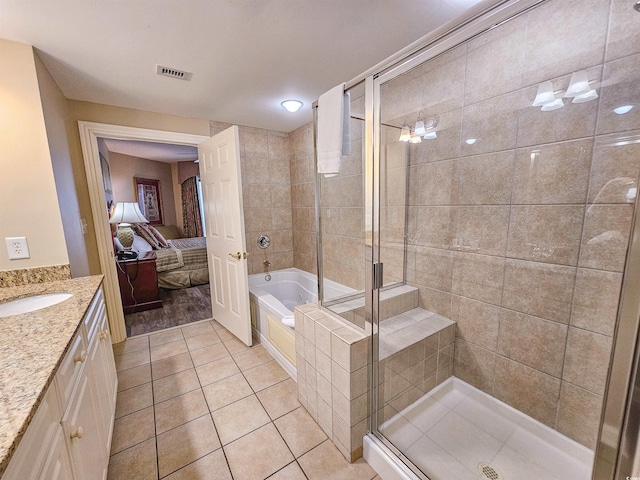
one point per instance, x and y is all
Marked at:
(31, 348)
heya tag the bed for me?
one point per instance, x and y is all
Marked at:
(183, 264)
(180, 263)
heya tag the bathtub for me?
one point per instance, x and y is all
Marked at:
(272, 302)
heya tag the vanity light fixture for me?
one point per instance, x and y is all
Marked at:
(415, 139)
(544, 95)
(430, 135)
(578, 84)
(405, 134)
(419, 129)
(430, 129)
(292, 105)
(555, 105)
(622, 109)
(585, 97)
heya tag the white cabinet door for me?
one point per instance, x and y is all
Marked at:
(82, 427)
(102, 375)
(57, 465)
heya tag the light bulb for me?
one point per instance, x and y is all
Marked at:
(405, 134)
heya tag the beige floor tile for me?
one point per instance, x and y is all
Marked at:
(280, 398)
(325, 461)
(239, 418)
(168, 350)
(132, 429)
(258, 454)
(131, 360)
(217, 370)
(134, 376)
(131, 344)
(226, 391)
(202, 340)
(137, 462)
(208, 354)
(171, 365)
(210, 467)
(234, 345)
(300, 431)
(186, 443)
(290, 472)
(174, 385)
(197, 329)
(167, 336)
(253, 357)
(180, 410)
(134, 399)
(265, 375)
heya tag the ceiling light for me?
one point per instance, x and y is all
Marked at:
(405, 134)
(471, 141)
(544, 95)
(292, 105)
(623, 109)
(578, 85)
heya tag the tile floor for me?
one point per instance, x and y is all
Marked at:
(449, 432)
(196, 403)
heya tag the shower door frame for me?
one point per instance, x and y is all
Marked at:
(624, 366)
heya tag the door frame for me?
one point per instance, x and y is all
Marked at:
(89, 134)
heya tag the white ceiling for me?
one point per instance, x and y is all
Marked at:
(246, 55)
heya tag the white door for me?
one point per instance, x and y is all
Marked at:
(224, 220)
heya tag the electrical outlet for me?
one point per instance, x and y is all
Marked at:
(17, 247)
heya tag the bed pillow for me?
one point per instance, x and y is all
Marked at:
(142, 231)
(161, 240)
(169, 231)
(140, 245)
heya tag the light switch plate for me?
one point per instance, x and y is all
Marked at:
(17, 247)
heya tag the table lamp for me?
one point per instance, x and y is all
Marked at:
(124, 215)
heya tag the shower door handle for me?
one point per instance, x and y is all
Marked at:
(237, 256)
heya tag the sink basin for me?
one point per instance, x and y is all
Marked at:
(31, 304)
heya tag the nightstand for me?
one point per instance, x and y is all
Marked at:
(138, 281)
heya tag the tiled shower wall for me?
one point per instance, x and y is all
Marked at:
(521, 236)
(303, 198)
(266, 192)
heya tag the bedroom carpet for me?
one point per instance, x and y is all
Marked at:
(179, 307)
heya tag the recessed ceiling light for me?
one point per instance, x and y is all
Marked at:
(470, 141)
(292, 105)
(623, 109)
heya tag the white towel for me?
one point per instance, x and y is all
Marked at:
(333, 130)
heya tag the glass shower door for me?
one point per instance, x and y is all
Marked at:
(506, 190)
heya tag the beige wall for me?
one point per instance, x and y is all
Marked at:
(28, 200)
(58, 122)
(123, 170)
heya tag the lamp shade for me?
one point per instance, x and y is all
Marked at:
(578, 84)
(127, 212)
(405, 134)
(545, 94)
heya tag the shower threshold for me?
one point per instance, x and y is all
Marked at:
(456, 428)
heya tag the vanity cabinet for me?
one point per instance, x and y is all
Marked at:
(69, 436)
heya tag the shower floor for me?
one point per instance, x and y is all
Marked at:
(456, 427)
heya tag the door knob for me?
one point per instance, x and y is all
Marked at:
(237, 256)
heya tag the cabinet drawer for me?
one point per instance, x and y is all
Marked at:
(70, 368)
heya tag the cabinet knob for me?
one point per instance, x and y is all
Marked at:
(81, 358)
(103, 334)
(78, 433)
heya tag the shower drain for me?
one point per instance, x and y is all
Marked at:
(488, 472)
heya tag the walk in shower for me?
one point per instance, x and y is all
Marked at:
(494, 174)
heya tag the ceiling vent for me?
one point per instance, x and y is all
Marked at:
(173, 73)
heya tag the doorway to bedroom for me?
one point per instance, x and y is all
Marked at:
(165, 281)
